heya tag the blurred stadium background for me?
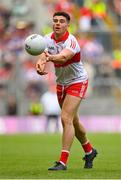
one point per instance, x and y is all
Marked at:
(97, 26)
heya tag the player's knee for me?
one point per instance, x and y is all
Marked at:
(66, 120)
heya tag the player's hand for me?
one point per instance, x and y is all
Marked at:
(48, 56)
(40, 67)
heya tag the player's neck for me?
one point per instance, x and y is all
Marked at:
(59, 36)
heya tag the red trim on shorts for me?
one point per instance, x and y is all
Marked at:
(76, 89)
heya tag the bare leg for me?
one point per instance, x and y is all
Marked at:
(90, 152)
(80, 131)
(69, 109)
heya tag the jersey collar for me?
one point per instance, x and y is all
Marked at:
(63, 38)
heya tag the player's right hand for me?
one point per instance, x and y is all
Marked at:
(40, 67)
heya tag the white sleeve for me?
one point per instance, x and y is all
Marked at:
(72, 45)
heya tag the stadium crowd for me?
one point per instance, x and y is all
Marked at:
(96, 25)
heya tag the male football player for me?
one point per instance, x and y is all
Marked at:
(72, 81)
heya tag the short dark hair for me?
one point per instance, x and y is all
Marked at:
(62, 13)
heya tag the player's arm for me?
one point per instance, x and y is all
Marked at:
(41, 63)
(62, 57)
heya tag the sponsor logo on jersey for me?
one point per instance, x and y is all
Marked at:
(51, 47)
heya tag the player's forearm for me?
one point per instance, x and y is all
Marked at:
(42, 56)
(58, 58)
(62, 57)
(41, 64)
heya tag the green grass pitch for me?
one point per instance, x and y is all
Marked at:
(29, 156)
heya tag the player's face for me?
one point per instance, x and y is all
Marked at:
(60, 25)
